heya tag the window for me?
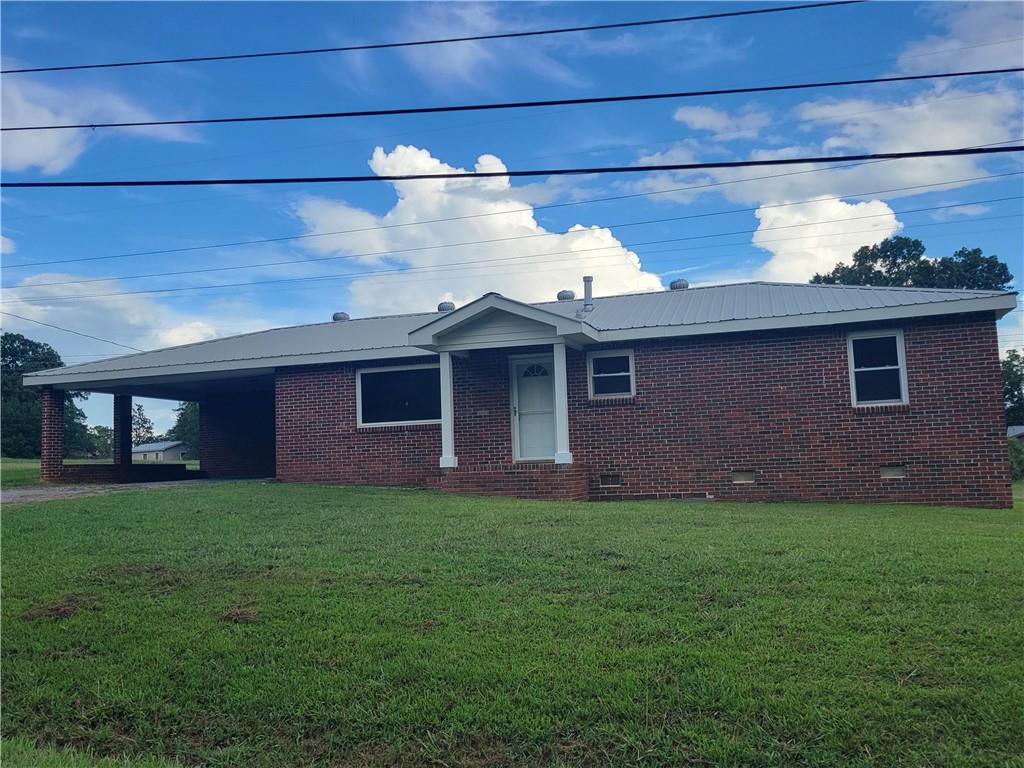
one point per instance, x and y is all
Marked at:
(407, 395)
(878, 371)
(611, 374)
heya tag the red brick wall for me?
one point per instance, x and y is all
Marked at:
(236, 435)
(317, 436)
(52, 438)
(777, 404)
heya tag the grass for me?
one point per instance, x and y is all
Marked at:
(19, 473)
(286, 625)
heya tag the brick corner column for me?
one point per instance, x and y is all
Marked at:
(51, 465)
(121, 443)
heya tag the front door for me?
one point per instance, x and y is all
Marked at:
(533, 408)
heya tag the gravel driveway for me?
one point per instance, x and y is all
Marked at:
(51, 492)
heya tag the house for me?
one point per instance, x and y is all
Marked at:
(1015, 433)
(747, 391)
(164, 450)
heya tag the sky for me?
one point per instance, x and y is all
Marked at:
(526, 238)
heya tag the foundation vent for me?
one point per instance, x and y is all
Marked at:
(743, 476)
(610, 480)
(894, 472)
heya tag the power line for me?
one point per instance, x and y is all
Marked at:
(517, 104)
(68, 330)
(483, 261)
(459, 267)
(619, 225)
(438, 41)
(548, 206)
(518, 174)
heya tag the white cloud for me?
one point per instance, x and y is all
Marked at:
(185, 333)
(7, 245)
(967, 27)
(28, 102)
(821, 246)
(528, 262)
(945, 214)
(745, 124)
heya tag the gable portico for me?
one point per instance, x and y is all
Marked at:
(538, 378)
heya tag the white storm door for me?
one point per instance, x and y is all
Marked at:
(533, 408)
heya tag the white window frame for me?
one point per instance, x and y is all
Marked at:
(901, 361)
(610, 353)
(391, 368)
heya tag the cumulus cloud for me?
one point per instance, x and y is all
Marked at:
(523, 260)
(7, 245)
(745, 124)
(945, 214)
(820, 246)
(29, 102)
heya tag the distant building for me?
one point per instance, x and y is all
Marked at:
(167, 450)
(1016, 433)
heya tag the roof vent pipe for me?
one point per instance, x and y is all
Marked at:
(340, 317)
(679, 285)
(588, 293)
(566, 295)
(446, 306)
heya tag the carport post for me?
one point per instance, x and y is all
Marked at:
(51, 464)
(122, 437)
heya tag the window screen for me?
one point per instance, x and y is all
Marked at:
(611, 374)
(877, 369)
(402, 395)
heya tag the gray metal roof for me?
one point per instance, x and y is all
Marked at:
(1015, 431)
(702, 310)
(162, 445)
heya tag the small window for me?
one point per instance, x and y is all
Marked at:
(743, 476)
(894, 472)
(611, 374)
(410, 395)
(878, 374)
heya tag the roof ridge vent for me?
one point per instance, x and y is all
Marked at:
(679, 285)
(340, 317)
(566, 295)
(446, 306)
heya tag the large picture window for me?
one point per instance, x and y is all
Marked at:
(610, 373)
(407, 395)
(878, 372)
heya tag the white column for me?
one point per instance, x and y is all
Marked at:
(562, 453)
(448, 458)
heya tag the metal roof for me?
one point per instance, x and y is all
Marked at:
(1015, 431)
(163, 445)
(702, 310)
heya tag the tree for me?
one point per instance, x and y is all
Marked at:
(102, 441)
(20, 406)
(901, 261)
(186, 427)
(142, 426)
(1013, 387)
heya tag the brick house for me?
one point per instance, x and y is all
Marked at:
(749, 391)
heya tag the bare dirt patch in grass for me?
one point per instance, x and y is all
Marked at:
(62, 609)
(238, 614)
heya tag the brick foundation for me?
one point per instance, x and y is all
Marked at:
(562, 482)
(124, 473)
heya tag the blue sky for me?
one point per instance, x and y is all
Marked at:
(537, 249)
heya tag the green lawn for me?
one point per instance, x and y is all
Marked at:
(264, 625)
(15, 473)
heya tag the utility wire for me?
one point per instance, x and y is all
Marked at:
(620, 225)
(519, 104)
(68, 330)
(438, 41)
(518, 174)
(573, 256)
(489, 261)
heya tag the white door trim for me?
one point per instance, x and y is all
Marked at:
(513, 360)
